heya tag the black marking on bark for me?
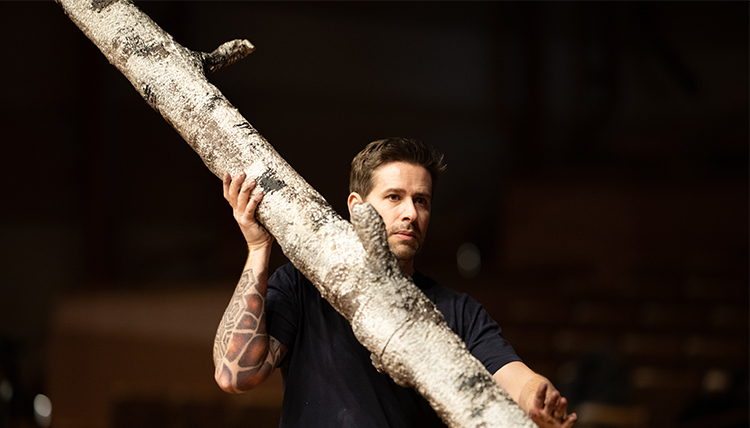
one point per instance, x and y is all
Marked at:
(133, 44)
(269, 182)
(318, 200)
(100, 5)
(475, 385)
(214, 101)
(321, 214)
(149, 95)
(478, 411)
(246, 125)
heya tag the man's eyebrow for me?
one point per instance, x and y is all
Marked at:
(400, 190)
(394, 190)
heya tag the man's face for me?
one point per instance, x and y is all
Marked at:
(402, 194)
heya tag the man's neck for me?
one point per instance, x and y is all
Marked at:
(407, 267)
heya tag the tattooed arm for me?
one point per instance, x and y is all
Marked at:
(244, 354)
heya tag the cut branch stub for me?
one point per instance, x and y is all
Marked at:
(226, 54)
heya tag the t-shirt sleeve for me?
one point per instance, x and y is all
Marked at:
(483, 336)
(282, 305)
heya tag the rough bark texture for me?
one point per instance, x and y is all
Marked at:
(349, 263)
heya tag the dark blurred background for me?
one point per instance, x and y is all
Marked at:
(596, 198)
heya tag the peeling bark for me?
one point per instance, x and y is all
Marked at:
(349, 263)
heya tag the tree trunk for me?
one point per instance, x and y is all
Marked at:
(349, 263)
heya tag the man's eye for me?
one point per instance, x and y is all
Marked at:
(421, 201)
(392, 197)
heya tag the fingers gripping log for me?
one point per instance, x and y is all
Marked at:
(354, 271)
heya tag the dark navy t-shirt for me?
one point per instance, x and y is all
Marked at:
(329, 380)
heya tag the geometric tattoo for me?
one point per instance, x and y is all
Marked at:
(244, 354)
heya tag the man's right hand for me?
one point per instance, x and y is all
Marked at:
(238, 193)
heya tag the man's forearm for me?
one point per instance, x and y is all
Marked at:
(521, 383)
(241, 346)
(544, 404)
(528, 393)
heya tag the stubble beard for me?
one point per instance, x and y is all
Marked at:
(403, 251)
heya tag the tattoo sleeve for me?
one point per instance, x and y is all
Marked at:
(244, 354)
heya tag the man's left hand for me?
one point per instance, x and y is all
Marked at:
(552, 411)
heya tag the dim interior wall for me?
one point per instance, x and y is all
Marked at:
(629, 294)
(114, 356)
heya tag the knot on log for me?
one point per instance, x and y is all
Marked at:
(226, 54)
(371, 232)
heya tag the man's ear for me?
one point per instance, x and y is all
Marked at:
(353, 200)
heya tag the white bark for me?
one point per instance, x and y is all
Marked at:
(350, 265)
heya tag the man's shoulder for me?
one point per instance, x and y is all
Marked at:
(435, 290)
(287, 268)
(288, 275)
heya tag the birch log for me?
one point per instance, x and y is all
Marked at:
(349, 263)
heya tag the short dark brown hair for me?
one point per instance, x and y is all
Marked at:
(396, 149)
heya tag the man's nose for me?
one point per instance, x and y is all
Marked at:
(409, 210)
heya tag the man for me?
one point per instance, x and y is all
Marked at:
(329, 380)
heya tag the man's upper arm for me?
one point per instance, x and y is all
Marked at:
(482, 335)
(282, 307)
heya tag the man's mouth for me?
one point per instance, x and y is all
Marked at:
(405, 234)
